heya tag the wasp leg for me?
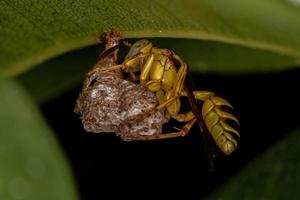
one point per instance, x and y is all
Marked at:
(153, 85)
(108, 69)
(123, 67)
(184, 117)
(183, 132)
(146, 69)
(126, 66)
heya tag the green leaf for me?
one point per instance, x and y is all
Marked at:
(273, 175)
(32, 165)
(52, 78)
(34, 31)
(56, 76)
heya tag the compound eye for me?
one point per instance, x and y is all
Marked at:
(138, 46)
(136, 50)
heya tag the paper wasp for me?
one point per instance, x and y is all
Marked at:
(164, 73)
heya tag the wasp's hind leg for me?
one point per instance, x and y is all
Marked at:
(184, 117)
(181, 133)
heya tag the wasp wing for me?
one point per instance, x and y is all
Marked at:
(208, 144)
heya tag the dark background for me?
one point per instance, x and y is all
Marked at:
(103, 165)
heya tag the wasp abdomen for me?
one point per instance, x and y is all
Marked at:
(217, 122)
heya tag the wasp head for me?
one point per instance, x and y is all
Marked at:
(139, 47)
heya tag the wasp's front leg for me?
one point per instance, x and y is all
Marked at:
(129, 65)
(146, 69)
